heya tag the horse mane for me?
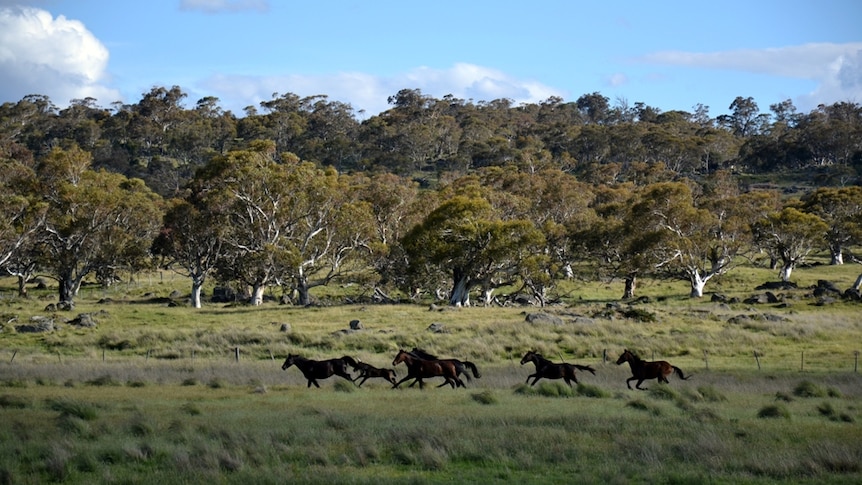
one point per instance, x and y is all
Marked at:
(635, 356)
(422, 354)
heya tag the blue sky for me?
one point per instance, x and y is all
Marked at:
(666, 54)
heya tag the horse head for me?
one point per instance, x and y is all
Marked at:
(289, 361)
(530, 356)
(402, 356)
(626, 356)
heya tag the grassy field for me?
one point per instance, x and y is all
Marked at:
(163, 393)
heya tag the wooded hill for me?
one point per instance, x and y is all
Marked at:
(442, 197)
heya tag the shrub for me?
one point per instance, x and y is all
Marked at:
(773, 411)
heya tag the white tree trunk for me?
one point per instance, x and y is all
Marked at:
(196, 293)
(785, 272)
(460, 296)
(697, 285)
(257, 295)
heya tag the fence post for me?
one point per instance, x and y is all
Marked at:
(802, 362)
(856, 361)
(236, 353)
(16, 353)
(706, 358)
(605, 356)
(757, 358)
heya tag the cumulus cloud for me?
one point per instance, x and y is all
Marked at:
(55, 57)
(369, 93)
(219, 6)
(836, 68)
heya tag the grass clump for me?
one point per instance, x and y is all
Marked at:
(590, 390)
(774, 411)
(103, 380)
(663, 392)
(78, 409)
(344, 386)
(12, 402)
(484, 397)
(711, 394)
(808, 389)
(642, 405)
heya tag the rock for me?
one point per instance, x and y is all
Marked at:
(356, 325)
(544, 318)
(436, 327)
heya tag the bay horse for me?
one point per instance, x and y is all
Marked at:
(550, 370)
(420, 368)
(320, 369)
(643, 370)
(460, 365)
(367, 371)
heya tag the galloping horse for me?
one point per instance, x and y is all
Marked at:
(550, 370)
(460, 365)
(420, 368)
(643, 370)
(367, 371)
(320, 369)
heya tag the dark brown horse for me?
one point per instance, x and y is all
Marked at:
(420, 368)
(643, 370)
(461, 366)
(320, 369)
(367, 371)
(550, 370)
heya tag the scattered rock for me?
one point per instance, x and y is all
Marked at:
(38, 324)
(542, 318)
(436, 327)
(356, 325)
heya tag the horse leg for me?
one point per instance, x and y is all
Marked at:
(365, 378)
(535, 380)
(638, 385)
(629, 380)
(402, 380)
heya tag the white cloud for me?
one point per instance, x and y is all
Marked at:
(836, 68)
(369, 93)
(55, 57)
(218, 6)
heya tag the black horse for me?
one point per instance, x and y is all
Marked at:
(320, 369)
(367, 371)
(643, 370)
(461, 366)
(420, 368)
(550, 370)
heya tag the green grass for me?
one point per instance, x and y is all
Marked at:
(156, 393)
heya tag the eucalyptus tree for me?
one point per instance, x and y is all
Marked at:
(97, 222)
(839, 208)
(290, 223)
(22, 218)
(190, 241)
(466, 239)
(674, 237)
(789, 236)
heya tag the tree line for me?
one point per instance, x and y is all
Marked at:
(434, 196)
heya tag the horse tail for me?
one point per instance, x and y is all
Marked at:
(472, 367)
(586, 368)
(679, 373)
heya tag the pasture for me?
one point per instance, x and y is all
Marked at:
(158, 393)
